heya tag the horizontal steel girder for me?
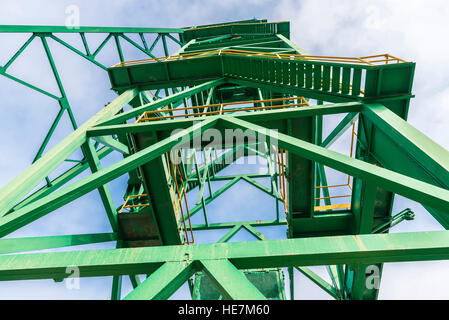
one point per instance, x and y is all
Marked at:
(13, 245)
(406, 186)
(395, 182)
(63, 29)
(362, 249)
(283, 114)
(154, 105)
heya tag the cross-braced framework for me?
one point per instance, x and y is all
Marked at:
(228, 80)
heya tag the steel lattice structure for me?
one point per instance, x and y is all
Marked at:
(243, 75)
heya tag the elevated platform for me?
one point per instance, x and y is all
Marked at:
(247, 29)
(380, 78)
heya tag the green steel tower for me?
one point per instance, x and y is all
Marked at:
(231, 92)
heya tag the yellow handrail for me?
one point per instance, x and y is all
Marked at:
(146, 116)
(177, 205)
(367, 60)
(233, 24)
(133, 205)
(283, 188)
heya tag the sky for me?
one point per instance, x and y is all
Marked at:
(414, 31)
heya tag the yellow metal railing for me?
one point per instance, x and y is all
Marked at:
(233, 24)
(133, 205)
(333, 206)
(347, 184)
(367, 60)
(178, 194)
(220, 108)
(282, 165)
(212, 158)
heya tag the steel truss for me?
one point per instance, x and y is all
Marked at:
(390, 157)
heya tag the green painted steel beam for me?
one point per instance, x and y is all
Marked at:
(291, 276)
(260, 186)
(227, 36)
(16, 189)
(46, 32)
(86, 56)
(364, 213)
(18, 52)
(413, 152)
(233, 43)
(162, 283)
(295, 91)
(254, 117)
(335, 278)
(201, 186)
(160, 103)
(426, 151)
(398, 183)
(341, 128)
(231, 282)
(85, 44)
(366, 249)
(135, 280)
(26, 84)
(51, 202)
(216, 165)
(132, 42)
(254, 232)
(202, 179)
(113, 144)
(226, 225)
(116, 290)
(49, 134)
(320, 282)
(41, 32)
(215, 195)
(62, 179)
(183, 47)
(118, 47)
(13, 245)
(323, 180)
(317, 175)
(367, 209)
(291, 44)
(102, 44)
(320, 172)
(236, 228)
(105, 194)
(86, 29)
(174, 39)
(406, 214)
(253, 28)
(63, 102)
